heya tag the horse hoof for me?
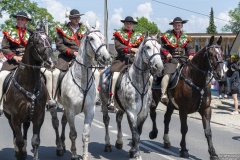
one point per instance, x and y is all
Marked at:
(85, 157)
(166, 145)
(153, 135)
(184, 153)
(118, 145)
(133, 154)
(108, 148)
(214, 157)
(60, 152)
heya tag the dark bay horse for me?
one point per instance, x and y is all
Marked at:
(26, 97)
(192, 94)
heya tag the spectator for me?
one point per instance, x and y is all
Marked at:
(2, 58)
(223, 82)
(234, 80)
(229, 72)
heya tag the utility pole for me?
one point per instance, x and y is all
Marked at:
(47, 24)
(106, 22)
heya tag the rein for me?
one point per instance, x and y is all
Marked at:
(212, 69)
(90, 81)
(143, 93)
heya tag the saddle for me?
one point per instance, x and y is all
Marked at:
(174, 78)
(7, 81)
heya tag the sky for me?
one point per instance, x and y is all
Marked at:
(161, 12)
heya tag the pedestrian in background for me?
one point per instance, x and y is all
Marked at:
(229, 72)
(223, 82)
(234, 80)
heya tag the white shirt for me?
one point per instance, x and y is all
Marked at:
(74, 29)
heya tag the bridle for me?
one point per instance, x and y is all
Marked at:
(88, 40)
(46, 45)
(149, 58)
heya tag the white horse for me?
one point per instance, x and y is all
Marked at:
(78, 91)
(133, 94)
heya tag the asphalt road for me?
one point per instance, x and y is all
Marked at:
(225, 139)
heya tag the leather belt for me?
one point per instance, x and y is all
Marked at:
(178, 52)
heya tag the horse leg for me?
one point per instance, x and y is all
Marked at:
(106, 120)
(134, 151)
(153, 134)
(64, 122)
(206, 117)
(184, 129)
(26, 126)
(18, 141)
(55, 124)
(119, 142)
(72, 134)
(167, 119)
(89, 114)
(37, 124)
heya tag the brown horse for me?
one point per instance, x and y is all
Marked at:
(191, 94)
(26, 97)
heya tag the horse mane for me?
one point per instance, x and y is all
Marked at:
(81, 49)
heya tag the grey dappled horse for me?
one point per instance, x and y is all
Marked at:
(133, 96)
(78, 91)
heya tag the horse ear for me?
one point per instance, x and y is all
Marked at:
(88, 26)
(211, 41)
(97, 25)
(219, 41)
(146, 34)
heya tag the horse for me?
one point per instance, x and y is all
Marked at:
(132, 93)
(78, 91)
(192, 94)
(26, 96)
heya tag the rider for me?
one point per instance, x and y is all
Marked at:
(126, 42)
(13, 46)
(174, 42)
(67, 43)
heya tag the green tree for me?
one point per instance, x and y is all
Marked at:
(211, 29)
(144, 24)
(37, 14)
(234, 24)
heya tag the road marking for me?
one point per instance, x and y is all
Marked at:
(115, 132)
(155, 152)
(162, 149)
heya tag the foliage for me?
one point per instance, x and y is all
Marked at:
(37, 14)
(145, 25)
(234, 24)
(211, 29)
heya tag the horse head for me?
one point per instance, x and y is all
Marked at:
(150, 53)
(95, 40)
(215, 58)
(39, 47)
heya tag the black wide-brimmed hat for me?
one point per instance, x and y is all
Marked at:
(22, 14)
(75, 13)
(129, 19)
(178, 20)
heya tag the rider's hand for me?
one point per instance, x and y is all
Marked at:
(134, 50)
(75, 53)
(17, 59)
(169, 56)
(190, 57)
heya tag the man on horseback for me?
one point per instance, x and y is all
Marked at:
(67, 42)
(13, 46)
(174, 42)
(126, 43)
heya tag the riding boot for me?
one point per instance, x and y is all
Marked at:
(3, 75)
(51, 84)
(164, 86)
